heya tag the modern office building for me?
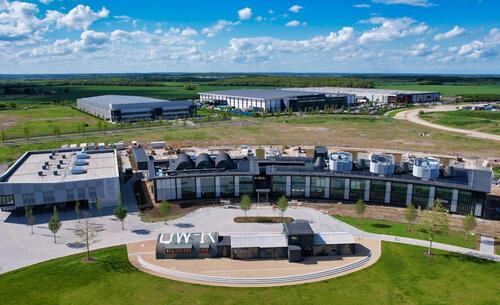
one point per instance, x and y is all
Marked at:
(62, 177)
(274, 100)
(296, 241)
(375, 178)
(381, 96)
(118, 108)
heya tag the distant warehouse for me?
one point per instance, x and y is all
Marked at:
(275, 100)
(382, 96)
(117, 108)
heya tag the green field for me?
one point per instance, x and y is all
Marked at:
(400, 229)
(484, 121)
(403, 275)
(447, 90)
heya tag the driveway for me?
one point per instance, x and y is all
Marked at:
(412, 116)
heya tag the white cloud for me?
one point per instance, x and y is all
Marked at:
(19, 21)
(455, 32)
(421, 3)
(245, 13)
(46, 1)
(293, 23)
(217, 27)
(295, 8)
(79, 18)
(259, 18)
(188, 32)
(391, 29)
(486, 47)
(362, 5)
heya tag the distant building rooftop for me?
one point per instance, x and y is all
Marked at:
(359, 90)
(129, 100)
(264, 94)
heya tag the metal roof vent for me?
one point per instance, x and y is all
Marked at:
(382, 164)
(82, 155)
(78, 170)
(40, 173)
(340, 161)
(426, 168)
(81, 162)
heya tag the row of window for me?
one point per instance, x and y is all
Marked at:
(49, 197)
(6, 200)
(177, 251)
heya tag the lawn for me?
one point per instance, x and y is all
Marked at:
(403, 275)
(400, 229)
(447, 90)
(484, 121)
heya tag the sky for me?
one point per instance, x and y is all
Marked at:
(325, 36)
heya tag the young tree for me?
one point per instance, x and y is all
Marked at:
(165, 208)
(360, 209)
(57, 131)
(26, 133)
(54, 223)
(30, 218)
(245, 203)
(4, 135)
(410, 215)
(98, 206)
(469, 224)
(434, 222)
(77, 210)
(282, 205)
(121, 213)
(87, 233)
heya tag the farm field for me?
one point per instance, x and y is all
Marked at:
(400, 229)
(446, 90)
(403, 275)
(484, 121)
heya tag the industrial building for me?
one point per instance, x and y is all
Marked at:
(62, 177)
(274, 100)
(296, 241)
(379, 96)
(119, 108)
(339, 176)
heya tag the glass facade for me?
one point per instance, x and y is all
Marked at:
(465, 205)
(298, 186)
(377, 191)
(398, 193)
(188, 188)
(6, 200)
(337, 188)
(207, 187)
(420, 197)
(357, 190)
(279, 186)
(226, 186)
(444, 195)
(318, 187)
(246, 185)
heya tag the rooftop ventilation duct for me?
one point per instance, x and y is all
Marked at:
(320, 151)
(82, 155)
(204, 161)
(183, 162)
(78, 170)
(341, 161)
(382, 164)
(223, 160)
(319, 162)
(81, 162)
(426, 168)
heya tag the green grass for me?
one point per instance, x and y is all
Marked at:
(400, 229)
(447, 90)
(403, 275)
(484, 121)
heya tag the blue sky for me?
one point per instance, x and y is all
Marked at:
(382, 36)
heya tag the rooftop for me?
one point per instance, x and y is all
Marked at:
(265, 94)
(128, 100)
(359, 90)
(298, 228)
(101, 164)
(258, 241)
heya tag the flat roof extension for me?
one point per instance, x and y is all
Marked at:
(264, 94)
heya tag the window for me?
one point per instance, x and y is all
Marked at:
(464, 204)
(188, 188)
(48, 197)
(337, 188)
(298, 186)
(420, 196)
(204, 250)
(28, 199)
(444, 195)
(357, 190)
(246, 185)
(398, 193)
(279, 186)
(70, 195)
(6, 200)
(207, 187)
(92, 193)
(227, 186)
(318, 187)
(377, 191)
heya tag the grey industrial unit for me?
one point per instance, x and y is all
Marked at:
(44, 178)
(273, 100)
(117, 108)
(379, 95)
(461, 188)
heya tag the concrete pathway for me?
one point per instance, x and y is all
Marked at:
(413, 116)
(19, 248)
(487, 245)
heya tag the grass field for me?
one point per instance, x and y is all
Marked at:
(447, 90)
(403, 275)
(400, 229)
(484, 121)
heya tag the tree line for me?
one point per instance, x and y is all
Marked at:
(295, 81)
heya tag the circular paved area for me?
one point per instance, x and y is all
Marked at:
(413, 116)
(252, 273)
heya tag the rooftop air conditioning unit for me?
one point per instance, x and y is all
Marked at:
(56, 173)
(426, 168)
(40, 173)
(382, 164)
(340, 161)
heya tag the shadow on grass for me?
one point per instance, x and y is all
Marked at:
(464, 258)
(141, 231)
(381, 225)
(115, 265)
